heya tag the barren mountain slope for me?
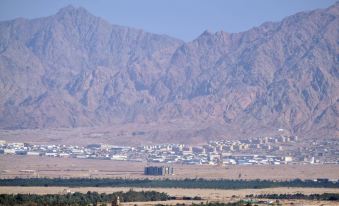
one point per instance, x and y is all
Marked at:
(73, 69)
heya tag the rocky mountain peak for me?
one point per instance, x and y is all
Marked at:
(206, 33)
(75, 15)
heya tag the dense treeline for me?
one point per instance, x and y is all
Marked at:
(325, 196)
(81, 199)
(167, 183)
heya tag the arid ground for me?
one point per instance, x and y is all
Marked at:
(127, 134)
(131, 134)
(206, 194)
(35, 166)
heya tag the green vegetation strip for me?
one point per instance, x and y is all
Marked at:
(82, 199)
(167, 183)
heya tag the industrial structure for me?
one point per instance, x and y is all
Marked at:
(160, 171)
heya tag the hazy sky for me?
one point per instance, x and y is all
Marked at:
(184, 19)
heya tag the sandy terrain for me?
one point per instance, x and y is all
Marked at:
(206, 194)
(32, 166)
(133, 134)
(281, 202)
(121, 134)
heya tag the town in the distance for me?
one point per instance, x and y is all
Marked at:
(273, 150)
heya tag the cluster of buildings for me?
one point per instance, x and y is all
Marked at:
(252, 151)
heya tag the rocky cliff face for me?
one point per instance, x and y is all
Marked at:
(73, 69)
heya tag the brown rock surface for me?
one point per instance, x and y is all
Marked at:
(73, 69)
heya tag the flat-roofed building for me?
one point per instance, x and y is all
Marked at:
(159, 171)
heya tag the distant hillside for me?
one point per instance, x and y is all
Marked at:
(73, 69)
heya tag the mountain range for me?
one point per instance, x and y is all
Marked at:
(73, 69)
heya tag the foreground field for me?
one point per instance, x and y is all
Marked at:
(29, 166)
(209, 194)
(281, 202)
(206, 194)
